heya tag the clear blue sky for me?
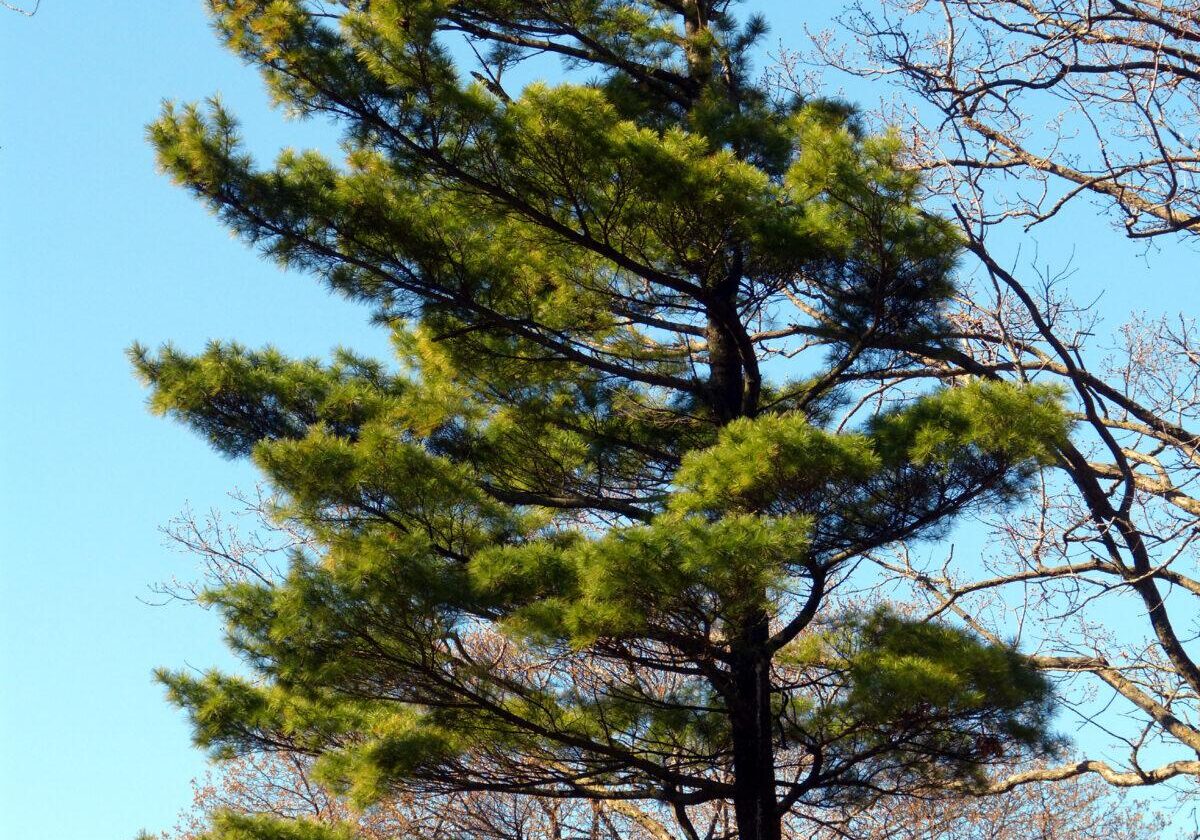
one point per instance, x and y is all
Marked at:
(97, 250)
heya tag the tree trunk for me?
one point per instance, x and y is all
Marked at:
(725, 379)
(754, 801)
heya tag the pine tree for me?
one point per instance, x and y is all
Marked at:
(583, 540)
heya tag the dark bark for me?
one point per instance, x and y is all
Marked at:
(755, 805)
(725, 379)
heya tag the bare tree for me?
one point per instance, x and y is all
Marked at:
(1027, 105)
(281, 784)
(1082, 809)
(1100, 574)
(27, 12)
(1018, 109)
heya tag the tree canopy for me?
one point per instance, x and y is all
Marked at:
(584, 539)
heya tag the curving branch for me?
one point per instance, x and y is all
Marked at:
(1072, 98)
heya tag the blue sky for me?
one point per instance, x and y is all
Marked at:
(96, 251)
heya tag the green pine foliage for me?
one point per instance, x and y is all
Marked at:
(574, 541)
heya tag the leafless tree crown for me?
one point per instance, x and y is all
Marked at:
(1039, 102)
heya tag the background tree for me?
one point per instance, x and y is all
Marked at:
(282, 785)
(1037, 104)
(22, 11)
(1022, 111)
(581, 546)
